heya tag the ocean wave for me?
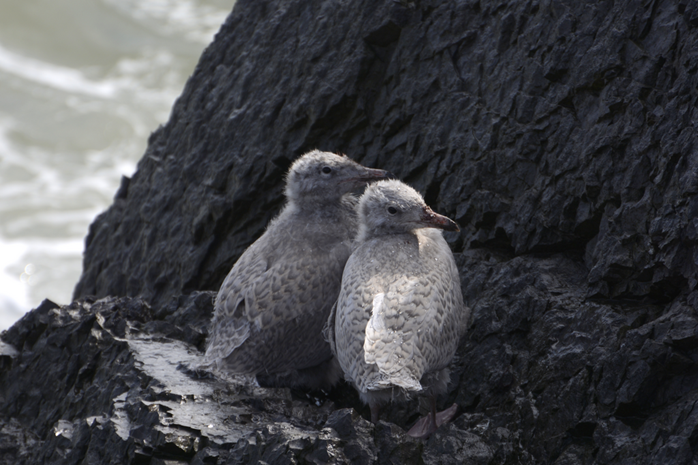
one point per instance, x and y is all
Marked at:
(77, 103)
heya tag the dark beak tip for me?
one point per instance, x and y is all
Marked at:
(439, 221)
(450, 225)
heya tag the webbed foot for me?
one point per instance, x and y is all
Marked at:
(426, 426)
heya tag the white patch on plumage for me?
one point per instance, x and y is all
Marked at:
(374, 328)
(384, 347)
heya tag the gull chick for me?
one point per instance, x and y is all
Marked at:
(270, 310)
(400, 311)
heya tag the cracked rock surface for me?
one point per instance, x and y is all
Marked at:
(560, 135)
(114, 390)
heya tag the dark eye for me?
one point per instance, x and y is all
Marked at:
(392, 210)
(327, 170)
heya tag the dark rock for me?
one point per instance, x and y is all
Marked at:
(542, 127)
(111, 396)
(561, 137)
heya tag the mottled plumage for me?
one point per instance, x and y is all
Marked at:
(400, 311)
(272, 306)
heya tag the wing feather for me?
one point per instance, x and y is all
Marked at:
(283, 292)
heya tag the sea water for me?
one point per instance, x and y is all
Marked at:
(82, 85)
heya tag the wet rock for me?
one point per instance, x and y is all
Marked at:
(560, 136)
(16, 442)
(123, 392)
(556, 378)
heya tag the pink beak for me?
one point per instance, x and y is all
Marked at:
(434, 220)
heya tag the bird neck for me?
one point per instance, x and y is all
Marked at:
(367, 233)
(320, 206)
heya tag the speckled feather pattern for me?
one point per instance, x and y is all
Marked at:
(265, 314)
(400, 313)
(271, 308)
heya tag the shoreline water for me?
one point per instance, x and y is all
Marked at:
(77, 104)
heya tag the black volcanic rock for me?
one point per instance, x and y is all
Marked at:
(542, 127)
(94, 382)
(560, 135)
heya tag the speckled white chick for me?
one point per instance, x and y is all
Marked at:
(400, 312)
(271, 308)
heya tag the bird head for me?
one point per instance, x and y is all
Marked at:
(393, 207)
(327, 176)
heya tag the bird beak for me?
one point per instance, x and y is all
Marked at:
(370, 174)
(434, 220)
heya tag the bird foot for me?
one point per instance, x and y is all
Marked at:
(427, 425)
(445, 416)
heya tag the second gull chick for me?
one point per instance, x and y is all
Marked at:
(400, 312)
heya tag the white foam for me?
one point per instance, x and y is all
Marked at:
(194, 20)
(14, 294)
(70, 127)
(57, 77)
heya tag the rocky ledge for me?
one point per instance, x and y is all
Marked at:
(560, 135)
(556, 378)
(119, 383)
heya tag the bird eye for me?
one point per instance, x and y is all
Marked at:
(392, 210)
(327, 170)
